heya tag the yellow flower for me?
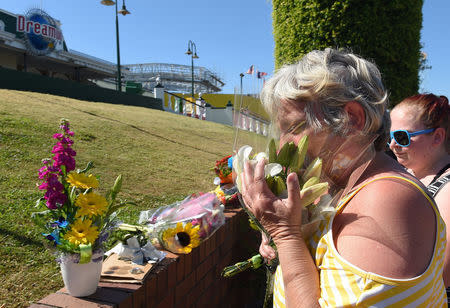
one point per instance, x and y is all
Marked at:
(82, 232)
(182, 238)
(91, 204)
(82, 180)
(219, 192)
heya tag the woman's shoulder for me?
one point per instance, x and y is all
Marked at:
(393, 196)
(390, 218)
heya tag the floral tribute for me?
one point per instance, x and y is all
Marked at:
(181, 226)
(77, 219)
(224, 169)
(225, 191)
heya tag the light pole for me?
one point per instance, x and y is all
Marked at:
(242, 76)
(124, 12)
(192, 51)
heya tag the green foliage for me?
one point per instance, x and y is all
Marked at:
(384, 31)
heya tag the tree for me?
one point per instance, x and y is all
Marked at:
(384, 31)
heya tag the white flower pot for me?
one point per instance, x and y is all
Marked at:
(81, 279)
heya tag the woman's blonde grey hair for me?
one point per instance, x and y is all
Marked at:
(326, 80)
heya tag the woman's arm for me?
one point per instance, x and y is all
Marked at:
(282, 219)
(443, 202)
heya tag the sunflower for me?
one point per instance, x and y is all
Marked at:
(182, 238)
(91, 204)
(82, 180)
(82, 232)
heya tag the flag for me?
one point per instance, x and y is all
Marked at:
(260, 74)
(250, 70)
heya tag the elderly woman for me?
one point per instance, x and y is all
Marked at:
(384, 246)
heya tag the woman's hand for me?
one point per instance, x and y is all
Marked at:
(280, 217)
(265, 250)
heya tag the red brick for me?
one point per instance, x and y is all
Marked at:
(180, 268)
(202, 252)
(188, 264)
(116, 296)
(65, 300)
(230, 213)
(209, 278)
(139, 299)
(194, 294)
(217, 262)
(226, 260)
(122, 297)
(162, 282)
(172, 274)
(226, 246)
(127, 287)
(151, 285)
(220, 235)
(170, 255)
(207, 299)
(195, 257)
(211, 245)
(185, 286)
(180, 301)
(228, 227)
(213, 240)
(204, 268)
(207, 247)
(168, 301)
(138, 291)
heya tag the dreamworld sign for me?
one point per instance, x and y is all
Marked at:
(42, 33)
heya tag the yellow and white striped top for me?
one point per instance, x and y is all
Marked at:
(345, 285)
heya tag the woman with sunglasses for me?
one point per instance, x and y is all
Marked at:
(419, 138)
(383, 246)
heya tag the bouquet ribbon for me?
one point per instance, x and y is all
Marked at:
(85, 253)
(137, 254)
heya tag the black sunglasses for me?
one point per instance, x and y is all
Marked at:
(403, 137)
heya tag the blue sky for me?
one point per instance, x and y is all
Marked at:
(229, 35)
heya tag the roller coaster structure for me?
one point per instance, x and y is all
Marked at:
(174, 77)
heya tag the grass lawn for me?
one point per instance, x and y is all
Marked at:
(163, 158)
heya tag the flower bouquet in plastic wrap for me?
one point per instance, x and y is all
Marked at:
(290, 158)
(225, 190)
(183, 225)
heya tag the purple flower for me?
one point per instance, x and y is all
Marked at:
(55, 199)
(50, 172)
(64, 160)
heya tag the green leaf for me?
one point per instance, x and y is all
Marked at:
(89, 166)
(299, 155)
(272, 151)
(283, 156)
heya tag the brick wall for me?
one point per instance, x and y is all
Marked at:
(192, 280)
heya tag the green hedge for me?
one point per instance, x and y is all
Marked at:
(16, 80)
(385, 31)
